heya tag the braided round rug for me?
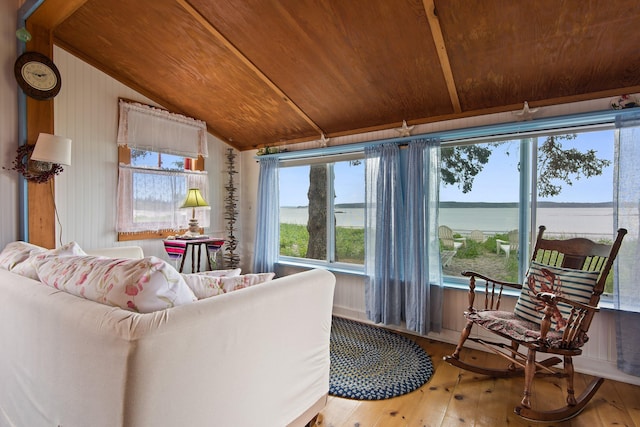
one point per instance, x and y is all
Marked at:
(372, 363)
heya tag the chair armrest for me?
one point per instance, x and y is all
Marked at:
(492, 290)
(549, 298)
(575, 327)
(489, 279)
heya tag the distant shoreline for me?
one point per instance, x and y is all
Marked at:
(485, 205)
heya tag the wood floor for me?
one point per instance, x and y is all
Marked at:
(453, 397)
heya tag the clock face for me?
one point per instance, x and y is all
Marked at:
(37, 75)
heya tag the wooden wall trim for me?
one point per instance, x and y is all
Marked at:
(40, 197)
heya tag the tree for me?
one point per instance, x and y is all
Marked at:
(556, 166)
(317, 223)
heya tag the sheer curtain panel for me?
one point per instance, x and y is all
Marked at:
(150, 199)
(384, 293)
(153, 129)
(626, 293)
(423, 270)
(267, 240)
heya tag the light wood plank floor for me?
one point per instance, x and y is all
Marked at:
(454, 397)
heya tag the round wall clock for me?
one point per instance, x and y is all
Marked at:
(37, 75)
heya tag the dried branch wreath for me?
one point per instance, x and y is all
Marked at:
(30, 168)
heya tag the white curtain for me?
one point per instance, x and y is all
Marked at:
(153, 129)
(150, 199)
(627, 215)
(267, 240)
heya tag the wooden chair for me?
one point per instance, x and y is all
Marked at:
(508, 245)
(477, 236)
(448, 241)
(552, 316)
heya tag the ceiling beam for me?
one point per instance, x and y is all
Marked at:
(226, 43)
(438, 39)
(52, 12)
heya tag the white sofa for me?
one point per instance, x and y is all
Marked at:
(253, 357)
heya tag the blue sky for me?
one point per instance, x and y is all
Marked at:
(498, 181)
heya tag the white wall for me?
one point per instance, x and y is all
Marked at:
(599, 357)
(86, 110)
(8, 123)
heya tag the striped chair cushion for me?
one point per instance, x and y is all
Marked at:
(576, 285)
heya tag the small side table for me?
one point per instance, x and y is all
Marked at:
(176, 248)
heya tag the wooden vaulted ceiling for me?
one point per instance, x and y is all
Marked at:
(274, 72)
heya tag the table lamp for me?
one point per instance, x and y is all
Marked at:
(194, 200)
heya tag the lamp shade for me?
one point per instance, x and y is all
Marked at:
(52, 149)
(194, 199)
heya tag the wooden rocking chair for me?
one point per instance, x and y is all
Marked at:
(552, 316)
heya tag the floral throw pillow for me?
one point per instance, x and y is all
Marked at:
(576, 285)
(221, 273)
(141, 285)
(16, 252)
(205, 286)
(27, 267)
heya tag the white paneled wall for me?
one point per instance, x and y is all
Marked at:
(86, 110)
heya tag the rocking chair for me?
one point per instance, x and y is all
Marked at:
(552, 316)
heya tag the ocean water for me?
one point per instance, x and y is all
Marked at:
(591, 222)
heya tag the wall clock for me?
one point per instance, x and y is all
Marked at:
(37, 75)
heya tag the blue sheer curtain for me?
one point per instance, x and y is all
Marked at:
(423, 271)
(627, 270)
(383, 240)
(402, 254)
(267, 239)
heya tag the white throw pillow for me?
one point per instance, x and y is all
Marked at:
(27, 267)
(16, 252)
(204, 286)
(142, 285)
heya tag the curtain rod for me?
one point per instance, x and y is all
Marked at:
(478, 132)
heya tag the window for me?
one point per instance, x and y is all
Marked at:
(494, 204)
(322, 212)
(161, 155)
(151, 190)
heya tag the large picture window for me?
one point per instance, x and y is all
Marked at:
(322, 211)
(493, 204)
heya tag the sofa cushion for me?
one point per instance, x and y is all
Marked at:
(16, 252)
(576, 285)
(27, 267)
(205, 286)
(142, 285)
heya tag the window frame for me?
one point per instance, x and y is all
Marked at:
(329, 262)
(579, 122)
(124, 157)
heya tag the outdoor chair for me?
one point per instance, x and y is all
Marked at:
(552, 316)
(476, 236)
(507, 246)
(448, 241)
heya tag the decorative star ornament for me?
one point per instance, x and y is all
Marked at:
(526, 113)
(324, 141)
(404, 130)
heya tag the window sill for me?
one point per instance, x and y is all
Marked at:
(333, 267)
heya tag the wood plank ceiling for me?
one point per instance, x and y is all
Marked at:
(273, 72)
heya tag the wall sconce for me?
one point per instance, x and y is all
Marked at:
(41, 161)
